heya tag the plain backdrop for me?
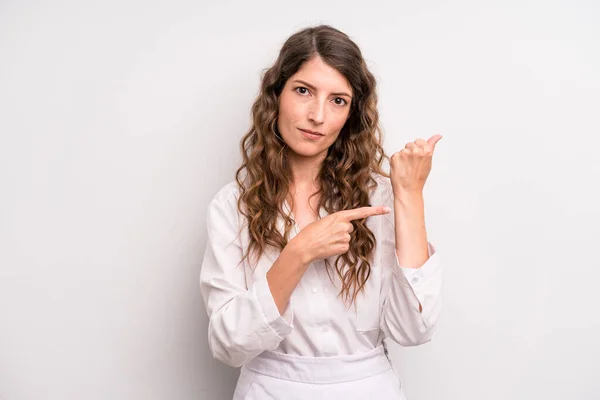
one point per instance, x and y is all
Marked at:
(120, 120)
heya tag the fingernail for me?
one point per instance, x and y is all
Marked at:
(387, 209)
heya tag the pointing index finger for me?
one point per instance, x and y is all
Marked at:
(362, 212)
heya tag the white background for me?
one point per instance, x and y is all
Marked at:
(120, 120)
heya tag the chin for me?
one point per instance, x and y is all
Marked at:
(306, 151)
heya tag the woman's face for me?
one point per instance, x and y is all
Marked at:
(313, 107)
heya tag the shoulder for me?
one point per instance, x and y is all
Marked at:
(383, 191)
(223, 205)
(382, 181)
(223, 220)
(227, 194)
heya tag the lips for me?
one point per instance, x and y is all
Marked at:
(311, 132)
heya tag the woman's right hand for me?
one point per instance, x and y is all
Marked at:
(330, 236)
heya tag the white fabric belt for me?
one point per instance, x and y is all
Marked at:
(334, 369)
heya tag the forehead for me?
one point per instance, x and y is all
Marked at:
(322, 76)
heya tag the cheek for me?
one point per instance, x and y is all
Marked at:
(335, 128)
(338, 122)
(288, 109)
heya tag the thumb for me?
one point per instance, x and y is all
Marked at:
(432, 141)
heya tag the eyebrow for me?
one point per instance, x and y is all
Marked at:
(314, 88)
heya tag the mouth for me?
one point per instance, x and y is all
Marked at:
(311, 134)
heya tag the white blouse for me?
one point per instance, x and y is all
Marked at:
(244, 319)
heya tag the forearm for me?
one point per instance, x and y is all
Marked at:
(410, 232)
(286, 273)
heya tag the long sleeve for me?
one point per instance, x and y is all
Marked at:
(243, 321)
(407, 288)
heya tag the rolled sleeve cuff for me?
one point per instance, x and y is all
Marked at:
(418, 276)
(281, 324)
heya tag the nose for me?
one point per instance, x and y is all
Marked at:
(316, 113)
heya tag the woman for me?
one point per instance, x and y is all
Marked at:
(315, 254)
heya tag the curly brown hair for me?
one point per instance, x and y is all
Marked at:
(346, 175)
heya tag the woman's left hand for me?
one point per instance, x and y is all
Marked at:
(409, 168)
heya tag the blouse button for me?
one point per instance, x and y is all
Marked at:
(315, 290)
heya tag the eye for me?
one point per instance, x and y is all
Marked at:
(339, 101)
(301, 90)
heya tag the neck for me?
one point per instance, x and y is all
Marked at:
(305, 170)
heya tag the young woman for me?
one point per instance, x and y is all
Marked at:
(315, 255)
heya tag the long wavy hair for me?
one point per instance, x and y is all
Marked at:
(346, 175)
